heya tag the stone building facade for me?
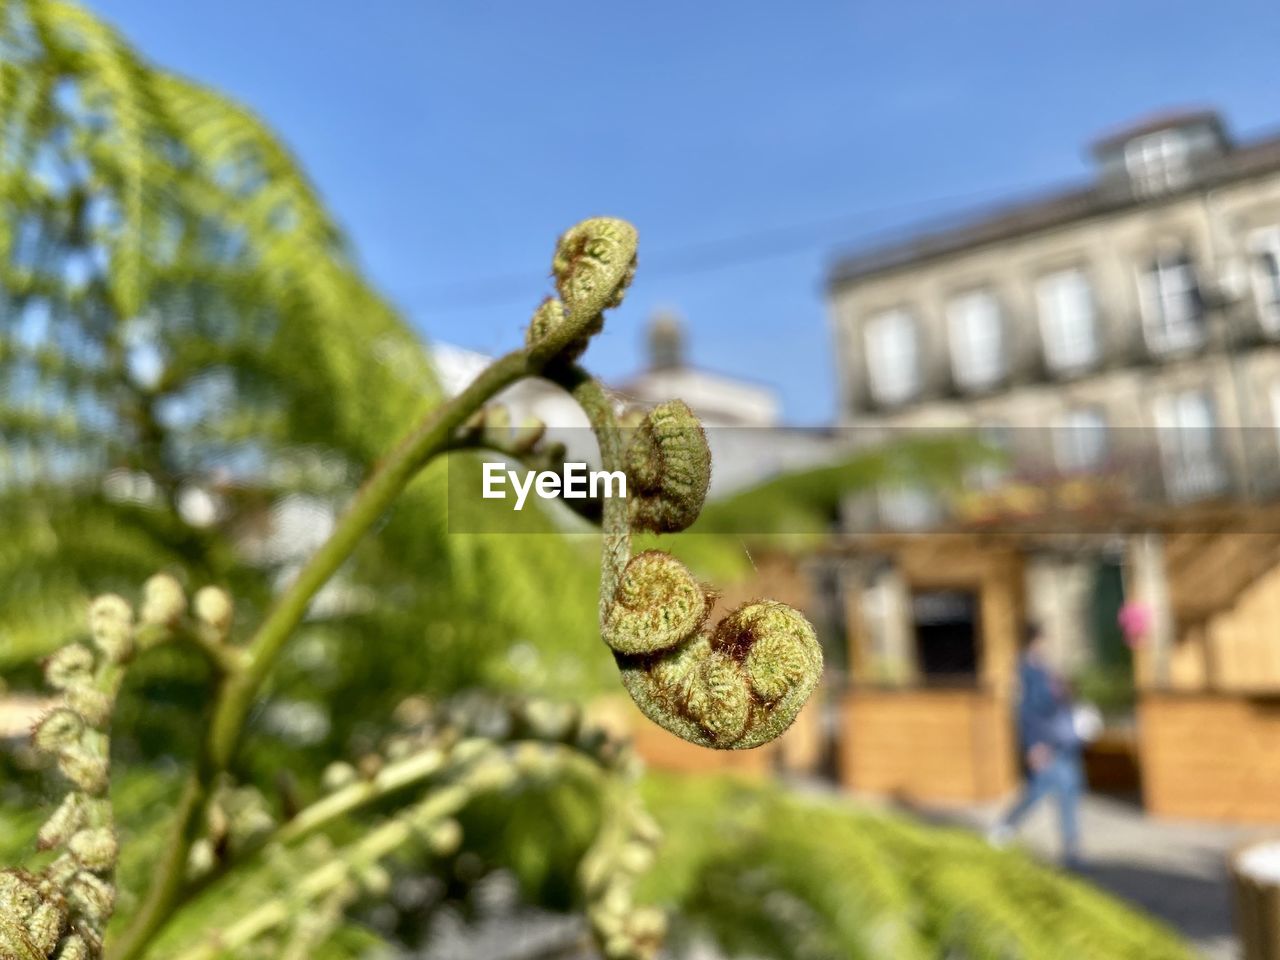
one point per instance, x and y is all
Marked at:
(1147, 299)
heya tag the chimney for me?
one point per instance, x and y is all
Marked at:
(666, 341)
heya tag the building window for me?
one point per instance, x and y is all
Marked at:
(977, 342)
(1172, 314)
(1157, 162)
(1068, 325)
(1264, 256)
(1186, 428)
(947, 629)
(893, 356)
(1080, 440)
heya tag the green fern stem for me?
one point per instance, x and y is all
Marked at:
(615, 523)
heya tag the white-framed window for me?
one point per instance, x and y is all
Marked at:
(1068, 320)
(893, 355)
(1157, 162)
(976, 334)
(1080, 440)
(1186, 429)
(1264, 261)
(1172, 314)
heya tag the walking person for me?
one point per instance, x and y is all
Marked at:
(1050, 748)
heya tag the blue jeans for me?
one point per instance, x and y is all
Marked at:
(1063, 777)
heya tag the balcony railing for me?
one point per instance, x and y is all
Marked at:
(1141, 470)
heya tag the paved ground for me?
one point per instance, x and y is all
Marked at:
(1173, 869)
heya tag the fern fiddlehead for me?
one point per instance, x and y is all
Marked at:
(669, 466)
(594, 264)
(62, 912)
(737, 685)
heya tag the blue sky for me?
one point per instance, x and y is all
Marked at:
(749, 141)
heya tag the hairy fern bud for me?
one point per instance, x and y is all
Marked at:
(594, 262)
(59, 730)
(61, 913)
(69, 668)
(91, 897)
(214, 607)
(63, 823)
(163, 600)
(32, 916)
(93, 706)
(657, 606)
(738, 688)
(95, 848)
(74, 947)
(111, 623)
(669, 467)
(86, 771)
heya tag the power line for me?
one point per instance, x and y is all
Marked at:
(711, 255)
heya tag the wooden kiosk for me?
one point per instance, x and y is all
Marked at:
(1208, 671)
(933, 627)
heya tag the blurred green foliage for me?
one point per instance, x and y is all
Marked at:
(768, 873)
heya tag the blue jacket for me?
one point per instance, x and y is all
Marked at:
(1044, 712)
